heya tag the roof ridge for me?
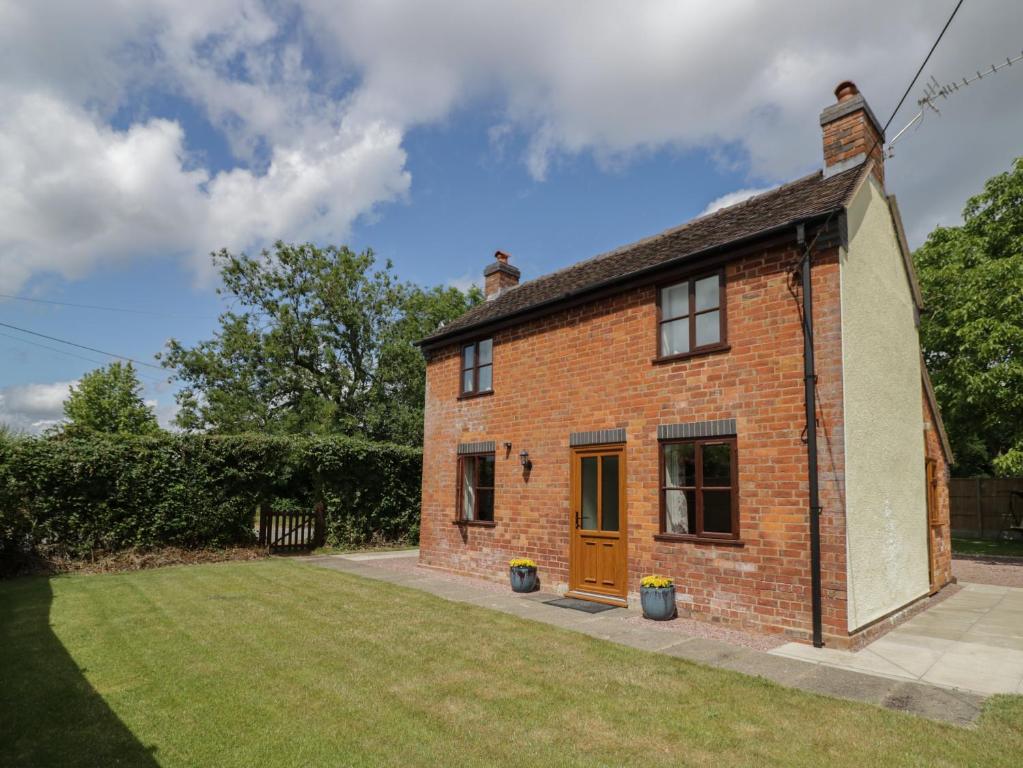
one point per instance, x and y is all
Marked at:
(799, 199)
(667, 232)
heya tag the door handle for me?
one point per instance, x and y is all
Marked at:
(578, 520)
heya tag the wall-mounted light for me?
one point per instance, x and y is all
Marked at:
(527, 464)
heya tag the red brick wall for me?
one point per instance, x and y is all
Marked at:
(941, 535)
(588, 368)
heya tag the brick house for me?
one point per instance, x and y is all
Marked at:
(645, 411)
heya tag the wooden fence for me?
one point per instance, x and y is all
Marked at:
(984, 507)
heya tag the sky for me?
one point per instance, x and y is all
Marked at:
(139, 135)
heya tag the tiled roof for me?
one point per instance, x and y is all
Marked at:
(800, 200)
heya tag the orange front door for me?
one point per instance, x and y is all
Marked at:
(597, 556)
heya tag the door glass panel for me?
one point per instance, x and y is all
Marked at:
(707, 293)
(679, 511)
(679, 465)
(609, 493)
(708, 328)
(675, 301)
(486, 350)
(468, 491)
(589, 493)
(675, 337)
(717, 465)
(486, 377)
(717, 511)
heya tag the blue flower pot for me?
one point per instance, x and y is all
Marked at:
(658, 602)
(523, 579)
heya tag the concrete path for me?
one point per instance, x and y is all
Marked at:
(973, 641)
(938, 703)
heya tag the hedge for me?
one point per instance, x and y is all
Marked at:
(76, 496)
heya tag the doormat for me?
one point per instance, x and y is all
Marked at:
(586, 606)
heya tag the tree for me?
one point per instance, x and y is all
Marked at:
(109, 400)
(318, 341)
(972, 328)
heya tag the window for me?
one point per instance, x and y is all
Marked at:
(477, 368)
(691, 316)
(476, 488)
(699, 492)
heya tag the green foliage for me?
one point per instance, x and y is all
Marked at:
(73, 496)
(109, 400)
(972, 329)
(319, 342)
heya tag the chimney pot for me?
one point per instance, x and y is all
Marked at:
(846, 90)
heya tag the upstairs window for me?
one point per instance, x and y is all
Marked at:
(699, 489)
(691, 316)
(476, 488)
(477, 368)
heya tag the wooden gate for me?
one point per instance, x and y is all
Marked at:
(291, 531)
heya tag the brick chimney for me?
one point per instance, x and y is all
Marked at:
(499, 276)
(850, 131)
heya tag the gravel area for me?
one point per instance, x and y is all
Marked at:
(999, 574)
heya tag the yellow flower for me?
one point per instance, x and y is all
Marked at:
(521, 562)
(656, 582)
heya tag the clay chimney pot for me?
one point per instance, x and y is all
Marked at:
(846, 90)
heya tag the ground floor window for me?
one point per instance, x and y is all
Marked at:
(476, 487)
(699, 489)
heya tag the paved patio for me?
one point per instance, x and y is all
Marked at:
(738, 652)
(973, 641)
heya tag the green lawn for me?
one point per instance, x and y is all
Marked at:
(276, 663)
(987, 547)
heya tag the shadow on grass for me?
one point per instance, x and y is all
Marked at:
(49, 713)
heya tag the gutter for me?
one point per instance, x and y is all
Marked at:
(810, 396)
(617, 284)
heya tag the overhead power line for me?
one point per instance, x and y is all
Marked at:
(905, 94)
(920, 69)
(82, 346)
(66, 353)
(128, 310)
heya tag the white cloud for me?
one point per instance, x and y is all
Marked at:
(315, 98)
(33, 408)
(742, 80)
(76, 193)
(731, 199)
(465, 282)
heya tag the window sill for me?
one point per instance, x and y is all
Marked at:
(679, 537)
(695, 353)
(475, 523)
(474, 395)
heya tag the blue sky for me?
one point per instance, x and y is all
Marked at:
(137, 139)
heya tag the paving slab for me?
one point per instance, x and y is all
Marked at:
(707, 651)
(936, 703)
(847, 684)
(916, 672)
(972, 642)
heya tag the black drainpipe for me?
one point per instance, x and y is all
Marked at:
(810, 392)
